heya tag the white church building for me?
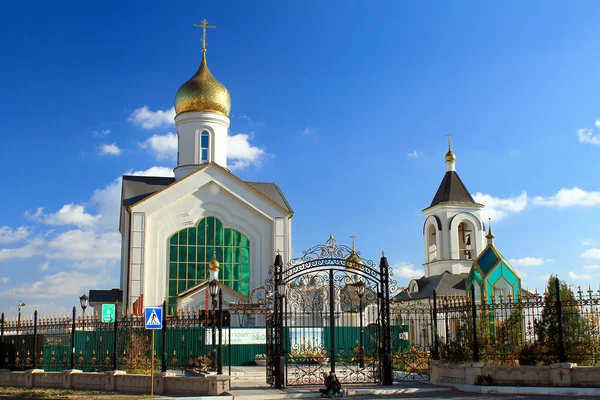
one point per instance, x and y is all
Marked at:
(172, 228)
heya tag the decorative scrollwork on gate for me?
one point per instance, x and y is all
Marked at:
(330, 314)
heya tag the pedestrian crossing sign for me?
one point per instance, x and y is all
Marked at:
(153, 317)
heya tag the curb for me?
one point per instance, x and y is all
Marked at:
(551, 391)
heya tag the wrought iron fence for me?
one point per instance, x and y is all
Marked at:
(559, 325)
(76, 342)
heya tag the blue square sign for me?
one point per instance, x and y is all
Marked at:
(153, 317)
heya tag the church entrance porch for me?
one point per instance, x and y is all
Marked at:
(330, 314)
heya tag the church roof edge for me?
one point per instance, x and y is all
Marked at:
(282, 205)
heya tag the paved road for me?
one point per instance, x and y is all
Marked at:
(474, 396)
(425, 395)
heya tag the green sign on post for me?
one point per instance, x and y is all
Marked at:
(108, 313)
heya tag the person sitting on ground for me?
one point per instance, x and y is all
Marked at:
(332, 385)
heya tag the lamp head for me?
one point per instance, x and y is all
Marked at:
(83, 300)
(360, 289)
(213, 287)
(281, 289)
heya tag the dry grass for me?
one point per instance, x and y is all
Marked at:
(69, 394)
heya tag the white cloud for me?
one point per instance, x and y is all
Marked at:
(407, 270)
(101, 133)
(569, 197)
(9, 235)
(44, 267)
(109, 149)
(69, 214)
(164, 146)
(106, 201)
(527, 261)
(415, 154)
(550, 260)
(587, 135)
(497, 208)
(154, 171)
(4, 279)
(588, 242)
(591, 266)
(242, 153)
(307, 131)
(591, 254)
(88, 248)
(61, 284)
(573, 275)
(29, 250)
(152, 119)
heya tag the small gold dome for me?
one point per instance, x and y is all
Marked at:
(214, 263)
(353, 261)
(203, 92)
(450, 157)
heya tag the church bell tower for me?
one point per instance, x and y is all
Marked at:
(453, 231)
(202, 106)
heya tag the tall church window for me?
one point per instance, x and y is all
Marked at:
(465, 247)
(431, 244)
(190, 252)
(204, 147)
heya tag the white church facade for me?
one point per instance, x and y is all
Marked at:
(172, 228)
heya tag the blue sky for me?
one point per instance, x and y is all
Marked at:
(346, 107)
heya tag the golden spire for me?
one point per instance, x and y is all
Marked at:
(204, 26)
(450, 157)
(490, 236)
(352, 237)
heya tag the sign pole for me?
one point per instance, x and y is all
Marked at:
(153, 320)
(152, 367)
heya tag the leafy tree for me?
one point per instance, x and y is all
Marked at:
(576, 329)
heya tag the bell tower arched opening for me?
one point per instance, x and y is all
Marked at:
(465, 240)
(432, 251)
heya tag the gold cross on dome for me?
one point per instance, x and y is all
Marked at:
(449, 136)
(204, 26)
(352, 237)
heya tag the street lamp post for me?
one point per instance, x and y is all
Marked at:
(20, 306)
(281, 294)
(361, 292)
(83, 300)
(213, 288)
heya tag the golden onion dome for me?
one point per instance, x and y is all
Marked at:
(203, 92)
(450, 157)
(353, 260)
(214, 263)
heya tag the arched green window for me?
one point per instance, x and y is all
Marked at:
(190, 252)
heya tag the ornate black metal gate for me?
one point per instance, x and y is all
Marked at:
(331, 314)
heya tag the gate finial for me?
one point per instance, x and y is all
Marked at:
(331, 243)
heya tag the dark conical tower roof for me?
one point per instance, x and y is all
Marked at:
(452, 190)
